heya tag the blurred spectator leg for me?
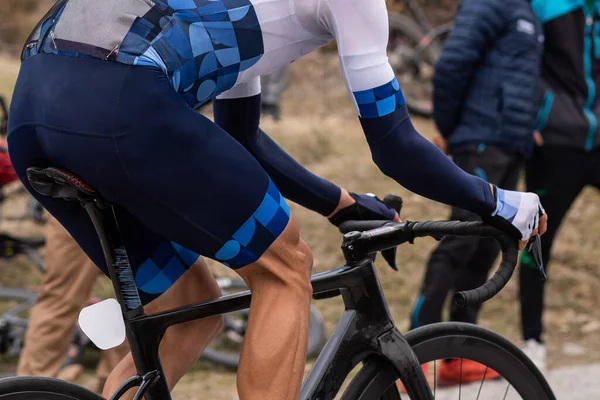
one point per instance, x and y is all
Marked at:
(445, 265)
(273, 86)
(502, 169)
(474, 275)
(557, 176)
(463, 263)
(66, 287)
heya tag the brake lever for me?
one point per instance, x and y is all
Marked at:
(389, 256)
(395, 202)
(534, 247)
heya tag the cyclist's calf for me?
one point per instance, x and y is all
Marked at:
(276, 338)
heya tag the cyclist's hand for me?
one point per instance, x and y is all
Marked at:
(538, 139)
(519, 214)
(366, 207)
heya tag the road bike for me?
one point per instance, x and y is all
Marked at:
(365, 333)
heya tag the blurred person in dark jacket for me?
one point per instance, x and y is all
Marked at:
(567, 157)
(486, 86)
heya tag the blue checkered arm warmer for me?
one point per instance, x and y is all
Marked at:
(240, 118)
(411, 160)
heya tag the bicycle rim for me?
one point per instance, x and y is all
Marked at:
(520, 379)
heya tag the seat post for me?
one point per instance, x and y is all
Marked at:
(144, 339)
(143, 345)
(105, 222)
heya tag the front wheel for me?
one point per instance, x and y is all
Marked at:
(438, 343)
(38, 388)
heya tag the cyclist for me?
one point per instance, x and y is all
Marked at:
(107, 90)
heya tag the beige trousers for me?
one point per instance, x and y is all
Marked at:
(66, 287)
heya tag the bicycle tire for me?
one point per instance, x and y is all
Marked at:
(41, 388)
(316, 334)
(376, 379)
(406, 26)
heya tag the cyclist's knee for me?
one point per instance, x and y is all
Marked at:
(291, 260)
(288, 261)
(291, 242)
(305, 265)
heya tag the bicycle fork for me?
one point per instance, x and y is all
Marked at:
(364, 330)
(394, 347)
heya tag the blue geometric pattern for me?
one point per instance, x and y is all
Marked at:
(507, 204)
(162, 269)
(202, 44)
(255, 236)
(380, 101)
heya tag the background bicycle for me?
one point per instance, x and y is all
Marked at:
(414, 47)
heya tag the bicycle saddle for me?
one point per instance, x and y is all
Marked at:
(59, 183)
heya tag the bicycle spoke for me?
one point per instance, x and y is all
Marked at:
(434, 377)
(482, 380)
(506, 393)
(460, 379)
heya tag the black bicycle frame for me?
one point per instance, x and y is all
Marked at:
(365, 329)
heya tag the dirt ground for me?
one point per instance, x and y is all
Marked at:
(321, 130)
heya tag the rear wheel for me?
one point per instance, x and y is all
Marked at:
(38, 388)
(438, 343)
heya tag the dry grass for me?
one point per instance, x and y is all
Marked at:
(320, 129)
(8, 71)
(17, 18)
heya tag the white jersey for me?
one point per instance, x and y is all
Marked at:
(294, 28)
(211, 48)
